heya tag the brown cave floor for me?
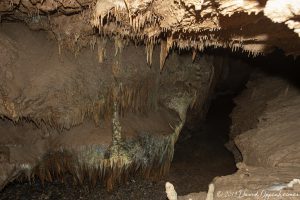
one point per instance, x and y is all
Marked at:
(199, 157)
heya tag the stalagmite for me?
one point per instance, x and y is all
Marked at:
(170, 190)
(210, 193)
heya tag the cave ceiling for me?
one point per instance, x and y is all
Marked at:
(252, 26)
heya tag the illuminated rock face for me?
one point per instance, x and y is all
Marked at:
(97, 121)
(254, 26)
(271, 134)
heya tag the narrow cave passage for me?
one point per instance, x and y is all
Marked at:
(200, 154)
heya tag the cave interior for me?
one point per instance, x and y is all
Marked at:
(151, 99)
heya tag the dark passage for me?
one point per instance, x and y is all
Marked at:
(200, 155)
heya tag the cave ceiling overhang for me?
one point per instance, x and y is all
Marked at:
(252, 26)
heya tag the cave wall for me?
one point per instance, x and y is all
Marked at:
(99, 120)
(270, 137)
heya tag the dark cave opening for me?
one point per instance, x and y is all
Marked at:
(200, 155)
(276, 63)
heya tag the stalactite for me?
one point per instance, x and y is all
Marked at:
(163, 54)
(93, 42)
(119, 45)
(149, 52)
(101, 42)
(194, 55)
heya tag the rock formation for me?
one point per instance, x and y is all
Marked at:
(100, 88)
(254, 26)
(97, 121)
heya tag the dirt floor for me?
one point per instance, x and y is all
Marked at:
(199, 157)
